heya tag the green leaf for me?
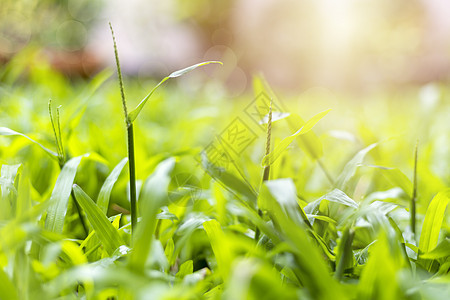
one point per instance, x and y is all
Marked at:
(59, 199)
(228, 180)
(6, 132)
(7, 289)
(433, 220)
(397, 178)
(379, 278)
(336, 196)
(309, 264)
(218, 240)
(284, 191)
(108, 235)
(186, 268)
(279, 149)
(344, 181)
(9, 195)
(308, 142)
(135, 112)
(105, 191)
(169, 251)
(154, 195)
(441, 250)
(191, 68)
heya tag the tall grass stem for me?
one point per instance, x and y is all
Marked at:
(130, 137)
(414, 193)
(132, 168)
(266, 174)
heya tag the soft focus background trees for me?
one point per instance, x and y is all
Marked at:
(341, 45)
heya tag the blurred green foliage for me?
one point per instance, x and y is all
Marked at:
(344, 238)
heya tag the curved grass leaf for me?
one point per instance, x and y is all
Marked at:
(309, 141)
(433, 220)
(285, 192)
(344, 181)
(135, 112)
(108, 235)
(279, 149)
(104, 276)
(59, 199)
(186, 268)
(105, 191)
(6, 132)
(219, 246)
(7, 289)
(379, 278)
(398, 178)
(336, 196)
(441, 250)
(9, 195)
(311, 269)
(228, 180)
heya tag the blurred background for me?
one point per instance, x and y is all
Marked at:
(343, 45)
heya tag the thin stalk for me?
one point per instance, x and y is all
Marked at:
(132, 168)
(266, 173)
(130, 138)
(414, 193)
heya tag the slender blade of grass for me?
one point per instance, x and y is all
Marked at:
(108, 235)
(414, 193)
(217, 239)
(59, 199)
(105, 191)
(344, 181)
(433, 220)
(279, 149)
(6, 132)
(135, 112)
(7, 289)
(440, 251)
(311, 270)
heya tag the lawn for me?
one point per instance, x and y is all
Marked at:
(318, 195)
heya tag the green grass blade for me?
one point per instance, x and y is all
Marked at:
(186, 268)
(191, 68)
(108, 235)
(7, 289)
(397, 178)
(344, 181)
(217, 239)
(279, 149)
(441, 250)
(59, 199)
(309, 141)
(154, 195)
(6, 132)
(433, 220)
(105, 191)
(311, 268)
(9, 195)
(228, 180)
(135, 112)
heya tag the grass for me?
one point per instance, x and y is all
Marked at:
(354, 207)
(130, 117)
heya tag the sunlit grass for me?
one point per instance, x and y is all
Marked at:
(352, 208)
